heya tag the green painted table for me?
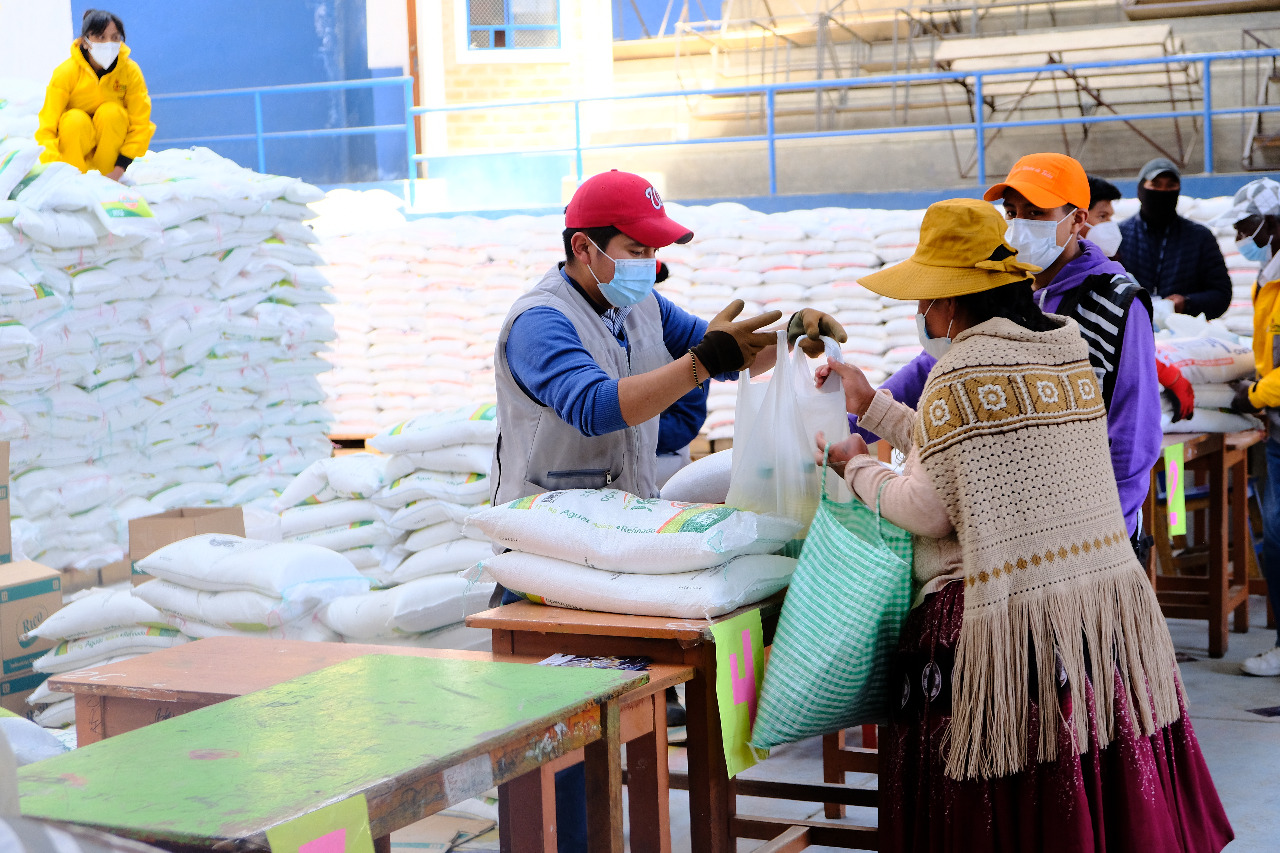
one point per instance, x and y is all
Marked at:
(414, 735)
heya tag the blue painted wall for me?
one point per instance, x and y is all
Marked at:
(203, 45)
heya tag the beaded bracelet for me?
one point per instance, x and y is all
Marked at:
(693, 359)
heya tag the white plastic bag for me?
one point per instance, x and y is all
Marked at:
(823, 409)
(774, 471)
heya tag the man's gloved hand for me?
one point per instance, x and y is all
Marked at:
(810, 324)
(1183, 398)
(731, 344)
(1240, 402)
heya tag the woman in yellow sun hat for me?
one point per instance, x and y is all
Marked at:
(97, 113)
(1040, 706)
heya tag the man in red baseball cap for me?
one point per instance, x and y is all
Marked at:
(591, 358)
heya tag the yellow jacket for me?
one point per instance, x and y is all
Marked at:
(1265, 393)
(75, 85)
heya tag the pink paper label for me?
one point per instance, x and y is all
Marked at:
(744, 677)
(333, 842)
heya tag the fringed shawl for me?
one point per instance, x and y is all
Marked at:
(1012, 430)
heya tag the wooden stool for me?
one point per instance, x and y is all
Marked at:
(1224, 588)
(839, 759)
(531, 630)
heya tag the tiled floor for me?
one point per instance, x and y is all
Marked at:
(1242, 748)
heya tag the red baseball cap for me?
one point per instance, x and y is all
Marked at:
(627, 202)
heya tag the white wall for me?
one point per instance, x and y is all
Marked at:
(388, 43)
(38, 37)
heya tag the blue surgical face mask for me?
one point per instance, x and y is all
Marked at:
(936, 347)
(1250, 249)
(633, 279)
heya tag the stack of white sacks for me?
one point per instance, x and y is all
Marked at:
(159, 343)
(611, 551)
(397, 516)
(215, 585)
(469, 270)
(96, 628)
(1210, 357)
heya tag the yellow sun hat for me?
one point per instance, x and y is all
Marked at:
(962, 250)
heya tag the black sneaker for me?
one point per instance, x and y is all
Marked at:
(675, 711)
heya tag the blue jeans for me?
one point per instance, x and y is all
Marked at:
(1271, 528)
(571, 794)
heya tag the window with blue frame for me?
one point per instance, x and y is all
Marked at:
(522, 24)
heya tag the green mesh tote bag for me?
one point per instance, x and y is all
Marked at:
(849, 596)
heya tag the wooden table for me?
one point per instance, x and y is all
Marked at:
(412, 734)
(525, 629)
(125, 696)
(1224, 590)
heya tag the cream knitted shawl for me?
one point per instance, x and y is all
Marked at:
(1012, 430)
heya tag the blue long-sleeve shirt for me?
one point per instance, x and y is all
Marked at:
(681, 422)
(551, 365)
(1133, 419)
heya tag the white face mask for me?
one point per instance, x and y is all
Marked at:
(1036, 240)
(1106, 236)
(936, 347)
(103, 52)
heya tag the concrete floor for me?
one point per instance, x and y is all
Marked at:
(1241, 747)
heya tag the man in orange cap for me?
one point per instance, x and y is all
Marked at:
(1046, 200)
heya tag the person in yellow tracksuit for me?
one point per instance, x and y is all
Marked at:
(1255, 214)
(97, 113)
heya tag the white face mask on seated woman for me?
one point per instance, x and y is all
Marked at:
(103, 52)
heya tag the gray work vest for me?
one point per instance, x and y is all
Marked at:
(537, 451)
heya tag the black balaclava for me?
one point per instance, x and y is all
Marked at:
(1159, 207)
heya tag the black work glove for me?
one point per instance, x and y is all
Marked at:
(731, 344)
(1240, 403)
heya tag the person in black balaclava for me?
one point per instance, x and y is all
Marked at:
(1171, 256)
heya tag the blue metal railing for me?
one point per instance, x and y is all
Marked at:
(260, 135)
(771, 137)
(978, 126)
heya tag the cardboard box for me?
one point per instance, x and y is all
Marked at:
(6, 535)
(151, 533)
(120, 571)
(29, 594)
(14, 692)
(74, 580)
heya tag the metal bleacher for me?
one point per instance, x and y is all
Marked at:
(1261, 82)
(847, 40)
(1065, 91)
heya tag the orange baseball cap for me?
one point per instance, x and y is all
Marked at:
(1046, 180)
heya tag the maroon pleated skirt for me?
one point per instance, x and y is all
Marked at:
(1150, 794)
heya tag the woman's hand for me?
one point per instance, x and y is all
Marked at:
(841, 453)
(116, 174)
(857, 390)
